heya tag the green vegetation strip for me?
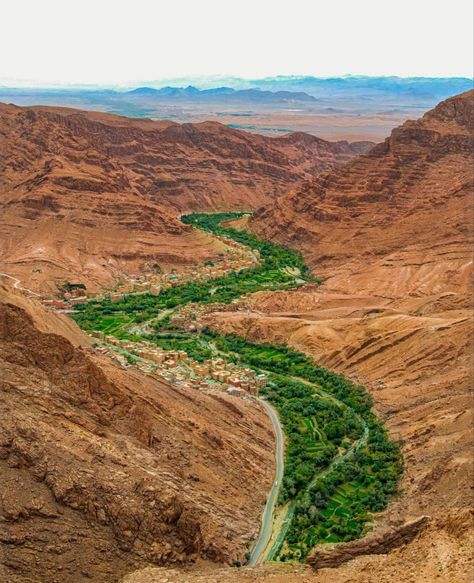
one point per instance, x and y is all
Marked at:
(340, 465)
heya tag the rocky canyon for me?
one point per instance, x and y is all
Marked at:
(91, 196)
(109, 474)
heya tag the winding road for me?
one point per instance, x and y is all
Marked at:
(258, 554)
(17, 285)
(267, 516)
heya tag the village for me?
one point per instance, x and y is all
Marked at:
(174, 366)
(153, 280)
(178, 368)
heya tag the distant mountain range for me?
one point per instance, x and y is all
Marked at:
(367, 108)
(421, 87)
(163, 94)
(222, 93)
(280, 88)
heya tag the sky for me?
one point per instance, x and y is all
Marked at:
(117, 42)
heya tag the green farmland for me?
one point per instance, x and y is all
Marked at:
(340, 465)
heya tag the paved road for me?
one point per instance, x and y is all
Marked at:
(267, 516)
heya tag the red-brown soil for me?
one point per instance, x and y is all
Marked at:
(90, 196)
(103, 469)
(391, 235)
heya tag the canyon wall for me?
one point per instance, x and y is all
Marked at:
(105, 469)
(91, 196)
(390, 235)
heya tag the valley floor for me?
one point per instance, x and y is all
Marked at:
(340, 466)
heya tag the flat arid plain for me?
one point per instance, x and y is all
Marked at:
(234, 353)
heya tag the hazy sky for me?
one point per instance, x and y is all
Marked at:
(117, 41)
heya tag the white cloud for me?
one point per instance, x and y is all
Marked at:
(117, 41)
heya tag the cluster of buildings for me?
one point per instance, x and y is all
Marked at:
(237, 258)
(66, 303)
(236, 377)
(177, 367)
(191, 317)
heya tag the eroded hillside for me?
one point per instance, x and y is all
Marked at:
(103, 470)
(90, 196)
(391, 235)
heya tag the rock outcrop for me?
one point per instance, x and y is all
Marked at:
(379, 542)
(387, 200)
